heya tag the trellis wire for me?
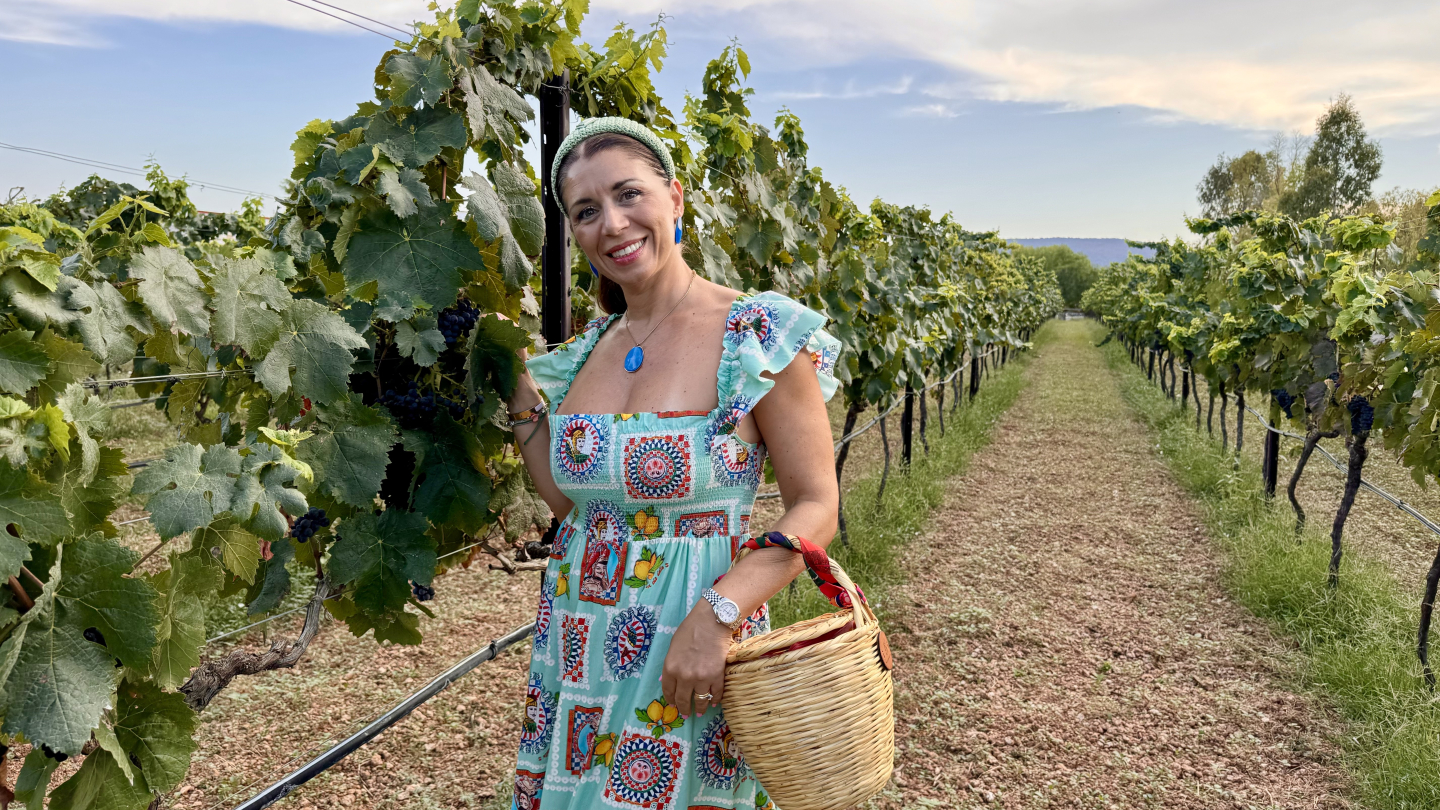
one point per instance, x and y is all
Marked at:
(1397, 502)
(121, 382)
(398, 712)
(856, 433)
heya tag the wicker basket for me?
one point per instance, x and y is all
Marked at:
(816, 724)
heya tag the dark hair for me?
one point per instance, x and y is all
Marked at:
(610, 296)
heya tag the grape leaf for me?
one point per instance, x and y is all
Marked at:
(23, 363)
(105, 738)
(96, 592)
(100, 784)
(527, 217)
(36, 305)
(248, 300)
(56, 429)
(180, 631)
(419, 259)
(484, 208)
(171, 290)
(157, 727)
(262, 497)
(381, 556)
(189, 487)
(418, 138)
(33, 509)
(490, 105)
(419, 340)
(523, 505)
(238, 549)
(450, 490)
(273, 581)
(494, 365)
(108, 319)
(60, 683)
(317, 343)
(404, 190)
(90, 504)
(90, 417)
(34, 779)
(68, 362)
(350, 449)
(413, 79)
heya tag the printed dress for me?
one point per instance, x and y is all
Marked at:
(662, 501)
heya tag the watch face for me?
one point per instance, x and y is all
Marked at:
(727, 612)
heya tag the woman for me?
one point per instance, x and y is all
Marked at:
(654, 467)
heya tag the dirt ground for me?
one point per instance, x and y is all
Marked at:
(1069, 644)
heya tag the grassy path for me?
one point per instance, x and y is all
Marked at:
(1064, 639)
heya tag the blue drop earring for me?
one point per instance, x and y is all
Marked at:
(679, 232)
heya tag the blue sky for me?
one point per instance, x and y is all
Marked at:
(1040, 119)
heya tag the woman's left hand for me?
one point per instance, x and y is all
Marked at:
(695, 664)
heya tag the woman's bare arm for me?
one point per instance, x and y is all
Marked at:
(534, 443)
(795, 427)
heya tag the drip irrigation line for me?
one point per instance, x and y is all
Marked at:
(144, 462)
(115, 167)
(398, 712)
(1396, 502)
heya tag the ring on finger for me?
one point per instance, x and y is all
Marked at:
(704, 696)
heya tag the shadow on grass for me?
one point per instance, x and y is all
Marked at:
(1358, 640)
(879, 531)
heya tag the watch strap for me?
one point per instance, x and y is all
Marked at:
(715, 600)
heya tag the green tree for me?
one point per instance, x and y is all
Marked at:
(1073, 270)
(1340, 167)
(1237, 184)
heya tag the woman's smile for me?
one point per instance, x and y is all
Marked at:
(628, 252)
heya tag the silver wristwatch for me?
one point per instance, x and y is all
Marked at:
(726, 611)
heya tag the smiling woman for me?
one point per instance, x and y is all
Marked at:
(655, 468)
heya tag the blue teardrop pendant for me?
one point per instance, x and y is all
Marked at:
(634, 359)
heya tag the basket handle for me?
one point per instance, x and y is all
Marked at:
(828, 576)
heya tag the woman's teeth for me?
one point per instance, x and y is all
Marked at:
(626, 252)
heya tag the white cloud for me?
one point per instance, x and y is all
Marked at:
(1263, 65)
(930, 111)
(851, 90)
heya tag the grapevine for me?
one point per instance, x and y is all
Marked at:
(335, 377)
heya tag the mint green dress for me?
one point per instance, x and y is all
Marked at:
(662, 502)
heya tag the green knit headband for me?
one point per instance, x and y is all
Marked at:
(591, 127)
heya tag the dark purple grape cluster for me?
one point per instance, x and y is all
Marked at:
(1284, 399)
(307, 524)
(457, 321)
(414, 410)
(423, 593)
(58, 756)
(1362, 414)
(93, 635)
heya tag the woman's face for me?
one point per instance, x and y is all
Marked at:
(623, 215)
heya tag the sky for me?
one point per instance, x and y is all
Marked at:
(1040, 119)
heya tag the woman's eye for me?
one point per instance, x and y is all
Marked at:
(629, 194)
(584, 214)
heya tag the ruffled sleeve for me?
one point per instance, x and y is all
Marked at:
(763, 333)
(555, 370)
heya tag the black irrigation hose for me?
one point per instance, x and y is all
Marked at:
(398, 712)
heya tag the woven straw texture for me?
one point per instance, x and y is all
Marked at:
(817, 724)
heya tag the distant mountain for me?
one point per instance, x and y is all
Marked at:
(1100, 251)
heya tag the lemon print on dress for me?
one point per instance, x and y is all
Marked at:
(604, 750)
(644, 524)
(647, 569)
(660, 717)
(562, 581)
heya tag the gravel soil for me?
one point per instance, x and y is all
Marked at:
(1066, 641)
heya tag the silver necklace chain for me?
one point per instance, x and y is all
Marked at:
(631, 333)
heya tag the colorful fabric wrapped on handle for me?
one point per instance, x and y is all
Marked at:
(817, 562)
